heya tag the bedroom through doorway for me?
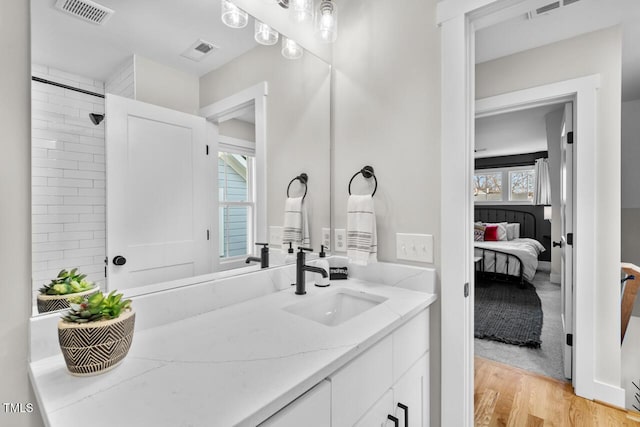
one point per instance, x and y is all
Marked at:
(518, 199)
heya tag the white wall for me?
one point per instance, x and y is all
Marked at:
(159, 84)
(597, 52)
(68, 178)
(121, 82)
(386, 102)
(238, 129)
(15, 212)
(553, 127)
(298, 132)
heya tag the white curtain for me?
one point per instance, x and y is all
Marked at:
(542, 194)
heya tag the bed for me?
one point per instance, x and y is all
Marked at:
(515, 259)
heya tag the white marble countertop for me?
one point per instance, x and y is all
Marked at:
(234, 366)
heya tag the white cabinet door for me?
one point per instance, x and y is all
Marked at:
(312, 409)
(411, 395)
(377, 415)
(357, 386)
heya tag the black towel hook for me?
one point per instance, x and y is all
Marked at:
(367, 172)
(303, 178)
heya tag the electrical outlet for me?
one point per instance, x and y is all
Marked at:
(341, 240)
(275, 235)
(414, 247)
(326, 238)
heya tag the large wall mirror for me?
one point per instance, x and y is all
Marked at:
(165, 139)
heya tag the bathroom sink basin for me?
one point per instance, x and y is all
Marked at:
(336, 306)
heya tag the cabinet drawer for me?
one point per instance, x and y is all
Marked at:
(409, 343)
(312, 409)
(357, 386)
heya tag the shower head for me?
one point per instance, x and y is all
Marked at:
(96, 118)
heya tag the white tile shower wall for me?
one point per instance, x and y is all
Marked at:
(68, 169)
(122, 81)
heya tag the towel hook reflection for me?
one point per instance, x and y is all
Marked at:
(303, 178)
(367, 172)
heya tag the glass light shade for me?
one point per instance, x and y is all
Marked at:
(301, 10)
(233, 16)
(265, 34)
(291, 49)
(547, 213)
(327, 21)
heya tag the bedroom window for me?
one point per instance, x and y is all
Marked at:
(504, 185)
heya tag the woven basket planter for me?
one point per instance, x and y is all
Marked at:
(96, 347)
(48, 303)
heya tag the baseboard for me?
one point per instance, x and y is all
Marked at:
(555, 278)
(607, 393)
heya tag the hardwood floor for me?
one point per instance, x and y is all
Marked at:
(508, 396)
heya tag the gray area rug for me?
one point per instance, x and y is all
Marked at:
(508, 313)
(546, 360)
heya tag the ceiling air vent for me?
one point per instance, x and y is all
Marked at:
(551, 7)
(198, 50)
(85, 10)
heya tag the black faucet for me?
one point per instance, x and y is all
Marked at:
(301, 268)
(264, 256)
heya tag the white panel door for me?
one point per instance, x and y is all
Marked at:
(566, 238)
(158, 206)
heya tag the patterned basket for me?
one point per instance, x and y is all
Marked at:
(96, 347)
(48, 303)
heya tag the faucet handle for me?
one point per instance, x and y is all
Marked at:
(264, 245)
(322, 253)
(302, 248)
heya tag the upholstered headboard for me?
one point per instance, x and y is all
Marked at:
(527, 220)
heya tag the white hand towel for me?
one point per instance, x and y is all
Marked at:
(362, 241)
(296, 223)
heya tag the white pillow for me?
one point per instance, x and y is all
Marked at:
(502, 229)
(513, 231)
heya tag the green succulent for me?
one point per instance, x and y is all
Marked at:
(67, 282)
(96, 307)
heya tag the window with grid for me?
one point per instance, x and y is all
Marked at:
(504, 185)
(236, 202)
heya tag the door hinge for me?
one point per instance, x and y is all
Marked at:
(570, 138)
(570, 340)
(208, 235)
(106, 263)
(207, 149)
(466, 289)
(570, 239)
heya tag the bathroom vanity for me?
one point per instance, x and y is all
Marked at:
(354, 353)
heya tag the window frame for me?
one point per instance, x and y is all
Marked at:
(506, 189)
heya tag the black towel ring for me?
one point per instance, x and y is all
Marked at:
(303, 178)
(367, 172)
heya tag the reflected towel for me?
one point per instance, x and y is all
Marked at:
(296, 224)
(362, 242)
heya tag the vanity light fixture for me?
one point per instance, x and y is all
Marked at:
(327, 21)
(301, 10)
(233, 16)
(265, 35)
(291, 49)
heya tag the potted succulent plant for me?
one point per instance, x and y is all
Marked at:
(55, 295)
(96, 333)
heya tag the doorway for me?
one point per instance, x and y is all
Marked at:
(521, 318)
(597, 260)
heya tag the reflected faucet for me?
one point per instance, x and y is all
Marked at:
(301, 268)
(264, 256)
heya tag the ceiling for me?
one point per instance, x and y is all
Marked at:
(577, 18)
(159, 30)
(518, 132)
